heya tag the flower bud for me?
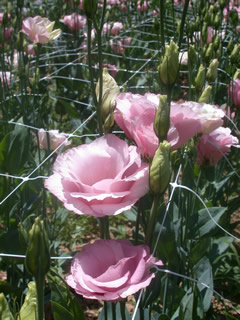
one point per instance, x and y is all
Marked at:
(168, 68)
(235, 55)
(234, 18)
(37, 256)
(110, 91)
(230, 45)
(90, 7)
(209, 52)
(217, 20)
(236, 75)
(192, 55)
(160, 170)
(204, 34)
(200, 78)
(216, 42)
(222, 3)
(162, 119)
(4, 308)
(205, 95)
(212, 71)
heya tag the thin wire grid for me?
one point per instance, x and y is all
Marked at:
(62, 51)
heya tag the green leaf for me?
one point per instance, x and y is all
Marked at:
(201, 224)
(71, 111)
(5, 312)
(60, 313)
(29, 308)
(163, 317)
(203, 273)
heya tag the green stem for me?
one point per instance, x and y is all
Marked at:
(113, 311)
(162, 24)
(40, 297)
(122, 309)
(152, 221)
(89, 29)
(104, 228)
(105, 311)
(182, 23)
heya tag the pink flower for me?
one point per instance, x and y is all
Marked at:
(142, 6)
(5, 78)
(105, 177)
(55, 139)
(111, 270)
(120, 46)
(112, 28)
(213, 146)
(39, 30)
(111, 68)
(234, 92)
(135, 114)
(74, 22)
(30, 50)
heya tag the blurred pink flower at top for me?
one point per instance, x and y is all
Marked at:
(105, 177)
(142, 5)
(135, 114)
(74, 21)
(124, 7)
(234, 92)
(111, 270)
(112, 28)
(39, 30)
(55, 139)
(1, 16)
(213, 146)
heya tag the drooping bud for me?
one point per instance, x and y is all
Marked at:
(205, 95)
(37, 256)
(160, 170)
(235, 55)
(162, 119)
(200, 78)
(90, 7)
(236, 75)
(168, 68)
(192, 55)
(212, 71)
(110, 91)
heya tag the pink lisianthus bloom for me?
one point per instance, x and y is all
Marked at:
(39, 30)
(111, 270)
(105, 177)
(5, 78)
(111, 68)
(213, 146)
(74, 21)
(112, 28)
(142, 5)
(55, 139)
(234, 92)
(135, 114)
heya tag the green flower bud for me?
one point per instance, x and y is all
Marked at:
(162, 119)
(29, 308)
(212, 71)
(110, 91)
(236, 75)
(235, 55)
(216, 42)
(192, 55)
(209, 52)
(230, 45)
(234, 17)
(200, 78)
(204, 33)
(219, 52)
(160, 170)
(217, 20)
(37, 256)
(90, 7)
(205, 95)
(5, 312)
(211, 9)
(222, 3)
(168, 69)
